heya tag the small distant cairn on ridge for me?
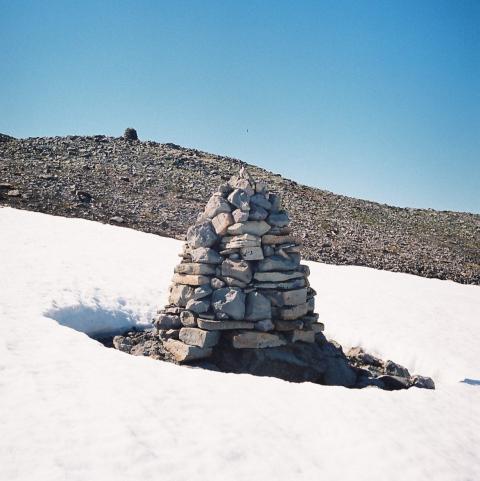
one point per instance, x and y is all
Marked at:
(240, 278)
(130, 134)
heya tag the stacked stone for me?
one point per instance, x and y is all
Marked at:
(240, 277)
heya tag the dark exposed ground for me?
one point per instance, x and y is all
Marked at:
(160, 188)
(320, 362)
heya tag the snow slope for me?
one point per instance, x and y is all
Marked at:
(72, 410)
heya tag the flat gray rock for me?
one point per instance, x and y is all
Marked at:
(251, 253)
(206, 255)
(394, 369)
(286, 298)
(250, 227)
(422, 382)
(166, 321)
(257, 340)
(238, 269)
(360, 355)
(166, 334)
(257, 213)
(224, 325)
(241, 237)
(231, 301)
(300, 335)
(191, 279)
(198, 307)
(199, 337)
(195, 268)
(221, 222)
(260, 201)
(237, 241)
(240, 199)
(261, 188)
(293, 284)
(257, 307)
(202, 291)
(183, 352)
(310, 318)
(289, 313)
(275, 263)
(217, 283)
(274, 199)
(294, 297)
(180, 295)
(265, 325)
(317, 327)
(232, 282)
(240, 216)
(278, 220)
(188, 319)
(241, 243)
(242, 184)
(217, 205)
(201, 235)
(284, 326)
(277, 276)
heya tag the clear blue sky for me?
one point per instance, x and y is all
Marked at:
(378, 100)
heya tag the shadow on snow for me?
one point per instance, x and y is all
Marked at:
(472, 382)
(93, 321)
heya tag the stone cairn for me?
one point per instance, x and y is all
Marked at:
(240, 278)
(130, 134)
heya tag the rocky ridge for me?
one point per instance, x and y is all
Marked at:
(159, 188)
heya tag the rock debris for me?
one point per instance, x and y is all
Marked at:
(160, 187)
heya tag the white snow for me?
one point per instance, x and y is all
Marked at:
(71, 409)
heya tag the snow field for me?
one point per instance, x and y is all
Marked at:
(72, 410)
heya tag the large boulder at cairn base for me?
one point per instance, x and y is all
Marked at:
(292, 362)
(339, 373)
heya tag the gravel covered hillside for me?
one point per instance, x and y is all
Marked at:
(161, 188)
